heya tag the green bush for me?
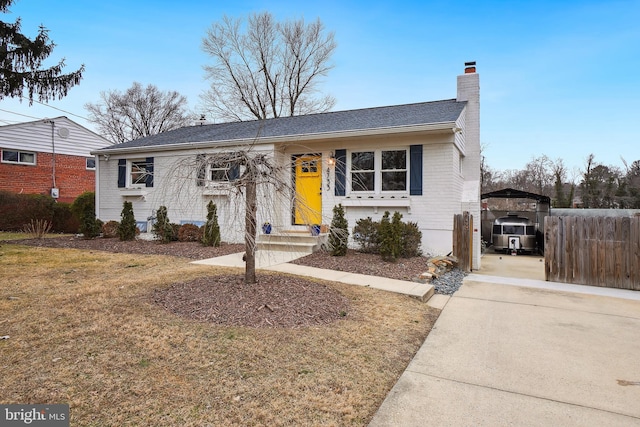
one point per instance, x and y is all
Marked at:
(127, 228)
(175, 229)
(390, 237)
(211, 231)
(17, 210)
(90, 226)
(162, 228)
(365, 234)
(79, 205)
(411, 240)
(64, 221)
(339, 232)
(387, 241)
(189, 233)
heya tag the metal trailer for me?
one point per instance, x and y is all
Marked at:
(514, 234)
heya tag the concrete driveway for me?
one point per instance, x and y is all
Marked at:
(542, 354)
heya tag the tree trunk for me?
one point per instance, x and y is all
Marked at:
(250, 232)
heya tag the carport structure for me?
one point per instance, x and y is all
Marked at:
(543, 206)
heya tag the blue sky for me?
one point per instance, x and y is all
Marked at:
(560, 78)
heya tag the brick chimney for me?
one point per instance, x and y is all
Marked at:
(469, 92)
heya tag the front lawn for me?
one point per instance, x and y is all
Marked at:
(84, 330)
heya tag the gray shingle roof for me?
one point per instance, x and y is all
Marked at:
(336, 121)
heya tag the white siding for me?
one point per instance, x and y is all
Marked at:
(37, 137)
(174, 187)
(433, 211)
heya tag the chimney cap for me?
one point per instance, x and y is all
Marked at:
(470, 67)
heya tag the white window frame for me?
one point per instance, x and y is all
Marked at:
(129, 182)
(378, 171)
(19, 155)
(211, 169)
(86, 163)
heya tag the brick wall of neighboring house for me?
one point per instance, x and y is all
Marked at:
(72, 176)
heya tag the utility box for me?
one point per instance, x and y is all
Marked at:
(55, 193)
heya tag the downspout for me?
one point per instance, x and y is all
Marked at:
(53, 150)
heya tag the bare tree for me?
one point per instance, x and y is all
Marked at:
(559, 171)
(21, 62)
(138, 112)
(270, 70)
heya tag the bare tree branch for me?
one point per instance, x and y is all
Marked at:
(270, 70)
(138, 112)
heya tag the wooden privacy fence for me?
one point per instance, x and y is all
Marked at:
(602, 251)
(463, 240)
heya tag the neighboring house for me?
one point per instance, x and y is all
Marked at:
(422, 160)
(51, 156)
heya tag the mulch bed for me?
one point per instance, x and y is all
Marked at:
(276, 301)
(191, 250)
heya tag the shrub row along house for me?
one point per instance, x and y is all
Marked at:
(422, 160)
(51, 157)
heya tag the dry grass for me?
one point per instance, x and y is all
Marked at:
(19, 235)
(83, 331)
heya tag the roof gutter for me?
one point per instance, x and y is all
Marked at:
(442, 127)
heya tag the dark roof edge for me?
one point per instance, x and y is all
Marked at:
(276, 139)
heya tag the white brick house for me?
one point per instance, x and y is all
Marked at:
(422, 160)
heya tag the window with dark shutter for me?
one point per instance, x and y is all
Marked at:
(415, 167)
(122, 173)
(149, 177)
(341, 172)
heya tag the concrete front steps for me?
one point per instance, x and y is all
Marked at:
(291, 241)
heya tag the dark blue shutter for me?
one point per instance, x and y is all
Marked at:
(341, 173)
(415, 168)
(122, 173)
(234, 172)
(149, 179)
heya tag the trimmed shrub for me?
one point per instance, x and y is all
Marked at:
(64, 221)
(365, 234)
(17, 210)
(175, 229)
(189, 233)
(90, 226)
(163, 229)
(411, 240)
(390, 238)
(339, 232)
(127, 229)
(386, 238)
(211, 229)
(79, 205)
(110, 229)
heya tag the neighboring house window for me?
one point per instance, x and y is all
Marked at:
(91, 163)
(379, 171)
(135, 173)
(19, 157)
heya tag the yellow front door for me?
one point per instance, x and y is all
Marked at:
(308, 201)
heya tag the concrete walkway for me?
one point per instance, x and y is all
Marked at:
(523, 352)
(280, 261)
